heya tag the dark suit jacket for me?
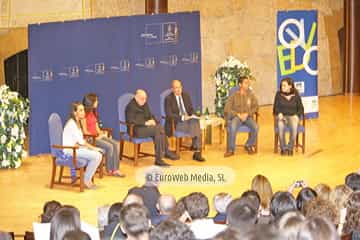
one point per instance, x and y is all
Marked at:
(137, 115)
(172, 110)
(150, 196)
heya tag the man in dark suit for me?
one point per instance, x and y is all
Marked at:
(178, 108)
(138, 113)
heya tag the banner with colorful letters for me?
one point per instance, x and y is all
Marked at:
(297, 55)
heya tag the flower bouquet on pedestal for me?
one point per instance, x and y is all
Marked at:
(226, 77)
(14, 112)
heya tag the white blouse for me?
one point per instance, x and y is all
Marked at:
(72, 135)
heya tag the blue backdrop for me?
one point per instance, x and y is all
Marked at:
(110, 57)
(297, 55)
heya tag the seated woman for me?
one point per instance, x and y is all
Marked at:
(287, 109)
(72, 136)
(91, 126)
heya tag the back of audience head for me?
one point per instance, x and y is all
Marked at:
(262, 186)
(240, 215)
(65, 219)
(263, 232)
(133, 198)
(221, 201)
(76, 235)
(339, 196)
(281, 203)
(166, 204)
(114, 212)
(321, 208)
(5, 236)
(318, 228)
(49, 210)
(229, 234)
(172, 230)
(306, 194)
(197, 205)
(352, 222)
(323, 191)
(290, 223)
(352, 180)
(252, 198)
(135, 220)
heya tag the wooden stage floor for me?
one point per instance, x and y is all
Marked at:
(332, 152)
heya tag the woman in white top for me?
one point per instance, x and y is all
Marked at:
(73, 136)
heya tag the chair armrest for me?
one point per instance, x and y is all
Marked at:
(172, 124)
(131, 128)
(108, 130)
(91, 137)
(73, 152)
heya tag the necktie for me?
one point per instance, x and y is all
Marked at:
(182, 107)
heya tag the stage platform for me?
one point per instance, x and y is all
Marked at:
(333, 151)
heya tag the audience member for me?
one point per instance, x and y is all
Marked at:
(172, 230)
(318, 228)
(323, 191)
(197, 205)
(49, 210)
(221, 201)
(166, 206)
(290, 223)
(135, 222)
(65, 219)
(281, 203)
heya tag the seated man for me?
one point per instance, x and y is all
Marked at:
(166, 206)
(239, 110)
(138, 113)
(178, 107)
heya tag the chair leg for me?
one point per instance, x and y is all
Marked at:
(61, 173)
(178, 145)
(53, 174)
(81, 179)
(221, 133)
(297, 142)
(276, 141)
(101, 167)
(303, 142)
(121, 149)
(256, 145)
(136, 153)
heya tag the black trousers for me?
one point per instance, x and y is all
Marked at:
(191, 127)
(157, 133)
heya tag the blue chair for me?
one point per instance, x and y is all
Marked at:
(301, 130)
(61, 159)
(243, 128)
(174, 133)
(128, 136)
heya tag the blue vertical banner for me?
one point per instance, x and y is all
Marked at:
(297, 55)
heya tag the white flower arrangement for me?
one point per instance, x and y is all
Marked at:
(14, 112)
(226, 77)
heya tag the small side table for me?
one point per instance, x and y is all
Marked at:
(207, 123)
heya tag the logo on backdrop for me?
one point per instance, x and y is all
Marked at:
(147, 63)
(97, 68)
(44, 75)
(122, 66)
(161, 33)
(191, 58)
(170, 60)
(70, 72)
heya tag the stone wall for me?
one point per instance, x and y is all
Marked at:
(246, 29)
